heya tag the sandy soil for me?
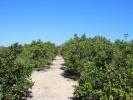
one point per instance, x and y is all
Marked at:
(51, 85)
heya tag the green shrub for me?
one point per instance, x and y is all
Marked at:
(40, 53)
(105, 68)
(14, 74)
(17, 62)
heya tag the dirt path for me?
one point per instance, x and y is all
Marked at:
(51, 85)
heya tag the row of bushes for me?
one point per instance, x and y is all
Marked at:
(105, 68)
(39, 54)
(17, 63)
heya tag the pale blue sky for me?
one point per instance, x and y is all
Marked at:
(57, 20)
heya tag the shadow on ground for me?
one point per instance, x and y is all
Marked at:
(71, 98)
(25, 95)
(69, 74)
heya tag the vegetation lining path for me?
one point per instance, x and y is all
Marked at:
(51, 85)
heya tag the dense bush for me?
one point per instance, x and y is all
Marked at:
(39, 53)
(17, 63)
(74, 53)
(105, 68)
(14, 74)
